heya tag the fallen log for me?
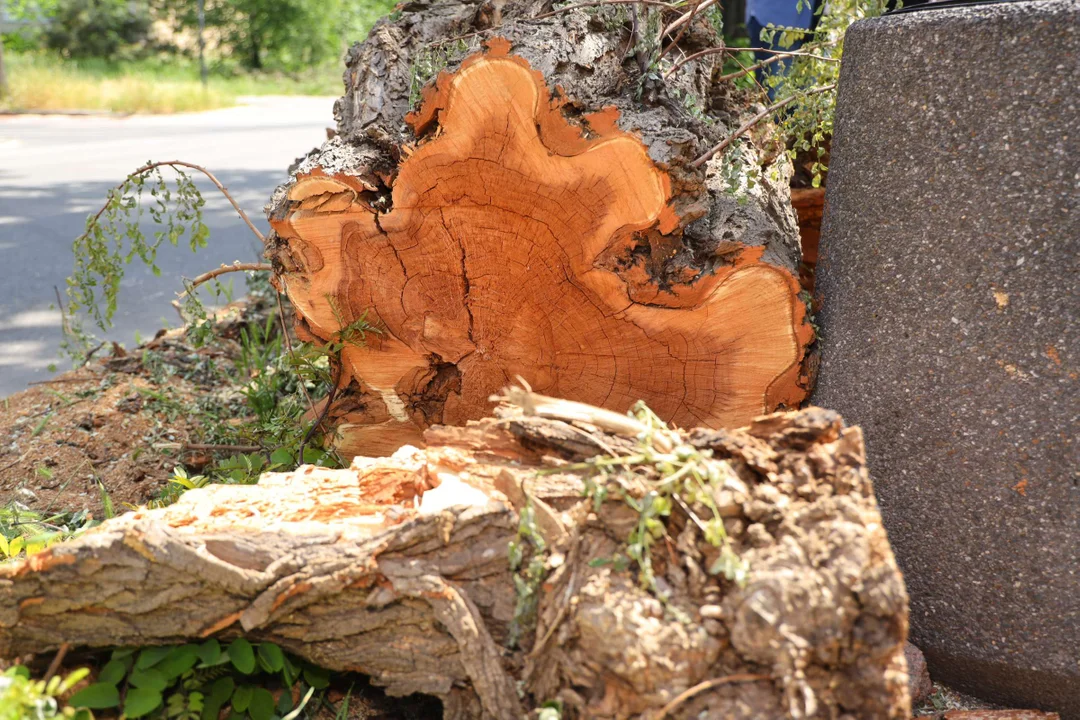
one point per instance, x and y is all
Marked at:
(496, 570)
(535, 213)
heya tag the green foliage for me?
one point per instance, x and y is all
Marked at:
(810, 119)
(526, 555)
(22, 698)
(96, 28)
(199, 681)
(652, 482)
(114, 237)
(25, 532)
(287, 35)
(428, 62)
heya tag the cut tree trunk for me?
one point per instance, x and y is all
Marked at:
(532, 213)
(398, 568)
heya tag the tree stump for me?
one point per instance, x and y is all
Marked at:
(398, 568)
(534, 214)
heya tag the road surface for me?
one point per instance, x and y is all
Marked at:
(55, 170)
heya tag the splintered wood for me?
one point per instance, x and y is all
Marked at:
(398, 568)
(508, 248)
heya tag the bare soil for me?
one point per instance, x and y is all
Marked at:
(118, 423)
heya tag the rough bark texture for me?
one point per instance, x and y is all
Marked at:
(532, 212)
(398, 568)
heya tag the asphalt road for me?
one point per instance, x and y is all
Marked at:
(55, 170)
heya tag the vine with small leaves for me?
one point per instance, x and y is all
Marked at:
(527, 562)
(652, 482)
(809, 119)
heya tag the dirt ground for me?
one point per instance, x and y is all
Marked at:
(118, 423)
(61, 439)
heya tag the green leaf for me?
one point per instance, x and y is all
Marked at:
(210, 652)
(220, 691)
(273, 657)
(113, 672)
(98, 696)
(262, 705)
(141, 701)
(241, 697)
(242, 656)
(150, 678)
(179, 661)
(18, 671)
(317, 677)
(284, 703)
(281, 456)
(290, 672)
(151, 656)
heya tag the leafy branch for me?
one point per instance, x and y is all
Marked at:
(113, 238)
(662, 473)
(749, 124)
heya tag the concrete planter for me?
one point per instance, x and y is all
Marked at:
(950, 283)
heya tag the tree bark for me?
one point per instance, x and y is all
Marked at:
(398, 568)
(532, 212)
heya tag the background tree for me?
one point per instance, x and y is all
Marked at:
(287, 35)
(96, 28)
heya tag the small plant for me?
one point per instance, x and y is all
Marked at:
(25, 532)
(22, 698)
(652, 482)
(113, 238)
(428, 62)
(529, 575)
(198, 682)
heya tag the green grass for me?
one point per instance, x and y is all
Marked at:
(43, 82)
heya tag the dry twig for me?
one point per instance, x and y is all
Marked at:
(754, 121)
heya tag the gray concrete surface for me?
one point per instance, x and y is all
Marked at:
(950, 286)
(55, 170)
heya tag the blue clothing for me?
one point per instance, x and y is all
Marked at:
(761, 13)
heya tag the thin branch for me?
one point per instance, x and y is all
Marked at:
(734, 50)
(598, 3)
(62, 380)
(752, 68)
(754, 121)
(55, 664)
(184, 447)
(322, 415)
(175, 164)
(64, 327)
(685, 19)
(709, 685)
(690, 21)
(235, 267)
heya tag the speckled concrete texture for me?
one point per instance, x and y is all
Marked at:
(950, 282)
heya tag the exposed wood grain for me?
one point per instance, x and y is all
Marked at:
(397, 568)
(512, 246)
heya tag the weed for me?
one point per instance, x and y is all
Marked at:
(26, 532)
(529, 544)
(22, 698)
(651, 482)
(200, 681)
(428, 62)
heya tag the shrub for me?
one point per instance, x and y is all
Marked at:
(97, 28)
